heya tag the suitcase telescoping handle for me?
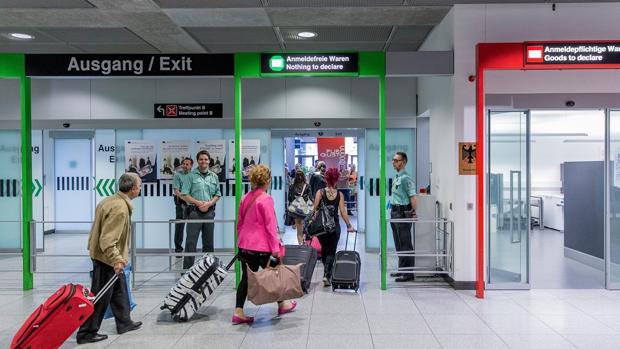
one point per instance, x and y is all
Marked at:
(107, 287)
(346, 243)
(232, 261)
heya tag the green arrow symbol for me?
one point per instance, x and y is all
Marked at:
(36, 187)
(111, 186)
(105, 187)
(98, 187)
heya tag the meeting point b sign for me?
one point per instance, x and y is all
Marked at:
(577, 53)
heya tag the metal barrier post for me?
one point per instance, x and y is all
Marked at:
(133, 254)
(443, 248)
(33, 246)
(170, 244)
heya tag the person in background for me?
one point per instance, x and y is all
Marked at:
(201, 190)
(317, 181)
(299, 188)
(294, 171)
(343, 186)
(108, 245)
(258, 238)
(180, 204)
(403, 205)
(334, 201)
(353, 187)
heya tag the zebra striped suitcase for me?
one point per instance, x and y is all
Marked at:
(193, 288)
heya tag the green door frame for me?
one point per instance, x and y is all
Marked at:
(371, 64)
(12, 66)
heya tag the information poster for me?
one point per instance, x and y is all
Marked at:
(250, 156)
(172, 155)
(217, 150)
(141, 158)
(332, 151)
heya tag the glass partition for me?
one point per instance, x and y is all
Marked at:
(508, 204)
(169, 147)
(10, 190)
(395, 140)
(613, 241)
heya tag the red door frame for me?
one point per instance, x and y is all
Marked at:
(502, 56)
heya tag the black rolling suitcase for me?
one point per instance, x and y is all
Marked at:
(306, 255)
(346, 270)
(193, 288)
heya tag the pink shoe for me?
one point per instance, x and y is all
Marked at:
(284, 311)
(238, 321)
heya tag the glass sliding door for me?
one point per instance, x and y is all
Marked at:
(507, 200)
(613, 207)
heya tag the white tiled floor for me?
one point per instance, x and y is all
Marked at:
(403, 317)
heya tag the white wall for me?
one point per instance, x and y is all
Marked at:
(126, 98)
(436, 97)
(469, 25)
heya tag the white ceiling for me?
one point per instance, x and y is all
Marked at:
(200, 26)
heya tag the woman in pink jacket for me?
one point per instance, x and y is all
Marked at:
(258, 238)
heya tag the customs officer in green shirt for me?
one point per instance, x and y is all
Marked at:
(180, 204)
(201, 190)
(403, 204)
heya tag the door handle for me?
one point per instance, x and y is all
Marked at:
(515, 234)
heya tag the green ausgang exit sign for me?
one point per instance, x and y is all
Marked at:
(310, 64)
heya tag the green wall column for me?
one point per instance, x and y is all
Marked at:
(238, 184)
(383, 186)
(26, 154)
(372, 64)
(246, 65)
(13, 66)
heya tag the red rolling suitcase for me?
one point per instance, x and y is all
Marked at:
(49, 326)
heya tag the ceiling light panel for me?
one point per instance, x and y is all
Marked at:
(23, 4)
(116, 48)
(232, 48)
(93, 35)
(345, 46)
(237, 35)
(403, 47)
(333, 3)
(411, 33)
(208, 3)
(39, 37)
(338, 34)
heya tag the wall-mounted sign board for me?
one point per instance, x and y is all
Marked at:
(578, 53)
(309, 64)
(188, 110)
(129, 65)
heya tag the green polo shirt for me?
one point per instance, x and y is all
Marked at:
(201, 187)
(402, 188)
(177, 180)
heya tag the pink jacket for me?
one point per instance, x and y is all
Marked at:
(257, 225)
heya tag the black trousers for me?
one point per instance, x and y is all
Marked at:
(253, 260)
(329, 245)
(179, 228)
(402, 233)
(193, 230)
(116, 298)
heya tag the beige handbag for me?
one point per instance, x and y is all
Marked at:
(274, 284)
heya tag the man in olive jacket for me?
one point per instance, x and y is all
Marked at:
(108, 246)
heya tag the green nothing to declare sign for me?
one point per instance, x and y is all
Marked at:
(309, 63)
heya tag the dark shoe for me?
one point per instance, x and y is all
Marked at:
(93, 339)
(178, 250)
(131, 327)
(405, 278)
(395, 275)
